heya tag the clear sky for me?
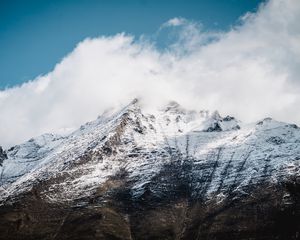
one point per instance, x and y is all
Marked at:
(35, 34)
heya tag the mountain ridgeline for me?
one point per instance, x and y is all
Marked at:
(169, 174)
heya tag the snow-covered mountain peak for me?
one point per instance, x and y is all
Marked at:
(173, 107)
(142, 144)
(216, 116)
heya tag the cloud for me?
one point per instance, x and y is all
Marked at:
(251, 71)
(175, 22)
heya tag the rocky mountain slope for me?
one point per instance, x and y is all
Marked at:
(169, 174)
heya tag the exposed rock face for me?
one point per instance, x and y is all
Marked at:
(2, 156)
(171, 174)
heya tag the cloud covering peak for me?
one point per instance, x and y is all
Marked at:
(251, 71)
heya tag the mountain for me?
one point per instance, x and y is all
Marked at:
(169, 174)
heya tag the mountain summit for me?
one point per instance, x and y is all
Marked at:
(169, 174)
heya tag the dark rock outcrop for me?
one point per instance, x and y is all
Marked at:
(265, 214)
(3, 155)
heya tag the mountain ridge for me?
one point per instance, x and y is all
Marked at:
(129, 162)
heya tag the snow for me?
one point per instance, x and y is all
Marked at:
(142, 143)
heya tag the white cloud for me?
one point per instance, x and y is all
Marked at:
(251, 72)
(175, 22)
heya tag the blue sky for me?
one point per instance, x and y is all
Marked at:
(75, 65)
(35, 35)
